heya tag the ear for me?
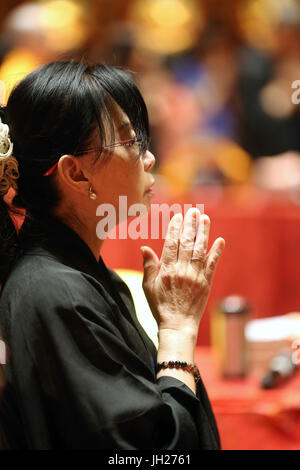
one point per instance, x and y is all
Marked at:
(71, 173)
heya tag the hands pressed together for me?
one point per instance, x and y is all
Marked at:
(177, 286)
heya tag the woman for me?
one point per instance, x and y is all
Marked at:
(82, 372)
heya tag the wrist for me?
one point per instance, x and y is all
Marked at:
(176, 345)
(187, 334)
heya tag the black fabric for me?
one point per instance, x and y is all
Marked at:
(81, 369)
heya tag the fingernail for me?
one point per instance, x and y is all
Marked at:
(222, 243)
(205, 217)
(178, 216)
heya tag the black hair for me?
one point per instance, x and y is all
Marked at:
(54, 111)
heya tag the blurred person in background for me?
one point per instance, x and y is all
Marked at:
(211, 72)
(270, 122)
(208, 152)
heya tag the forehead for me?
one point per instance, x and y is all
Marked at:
(121, 120)
(121, 127)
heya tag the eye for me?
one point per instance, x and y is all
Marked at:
(131, 142)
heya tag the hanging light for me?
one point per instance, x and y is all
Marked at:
(63, 23)
(259, 18)
(167, 26)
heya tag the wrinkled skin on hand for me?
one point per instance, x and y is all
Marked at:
(176, 285)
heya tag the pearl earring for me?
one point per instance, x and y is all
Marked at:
(92, 195)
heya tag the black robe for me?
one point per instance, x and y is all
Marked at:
(81, 369)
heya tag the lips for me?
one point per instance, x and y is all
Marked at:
(150, 187)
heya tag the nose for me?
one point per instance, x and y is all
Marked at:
(149, 160)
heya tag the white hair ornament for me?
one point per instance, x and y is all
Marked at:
(9, 172)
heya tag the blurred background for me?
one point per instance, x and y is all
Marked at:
(217, 77)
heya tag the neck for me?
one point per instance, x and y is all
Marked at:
(87, 232)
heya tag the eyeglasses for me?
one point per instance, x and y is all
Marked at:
(131, 143)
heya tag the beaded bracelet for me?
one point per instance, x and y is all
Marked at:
(180, 365)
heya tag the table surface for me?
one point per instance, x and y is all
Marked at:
(248, 417)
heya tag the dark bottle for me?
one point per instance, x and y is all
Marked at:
(280, 370)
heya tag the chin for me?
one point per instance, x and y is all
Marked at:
(147, 200)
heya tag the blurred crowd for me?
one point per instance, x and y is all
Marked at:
(218, 91)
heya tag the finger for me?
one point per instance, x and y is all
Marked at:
(188, 235)
(170, 249)
(151, 265)
(213, 258)
(201, 241)
(206, 221)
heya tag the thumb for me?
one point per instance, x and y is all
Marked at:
(151, 264)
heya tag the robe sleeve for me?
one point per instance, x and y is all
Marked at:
(97, 392)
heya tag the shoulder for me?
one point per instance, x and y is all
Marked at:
(43, 285)
(36, 274)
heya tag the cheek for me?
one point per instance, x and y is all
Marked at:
(122, 179)
(135, 186)
(133, 175)
(139, 176)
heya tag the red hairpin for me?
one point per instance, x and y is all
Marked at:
(50, 171)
